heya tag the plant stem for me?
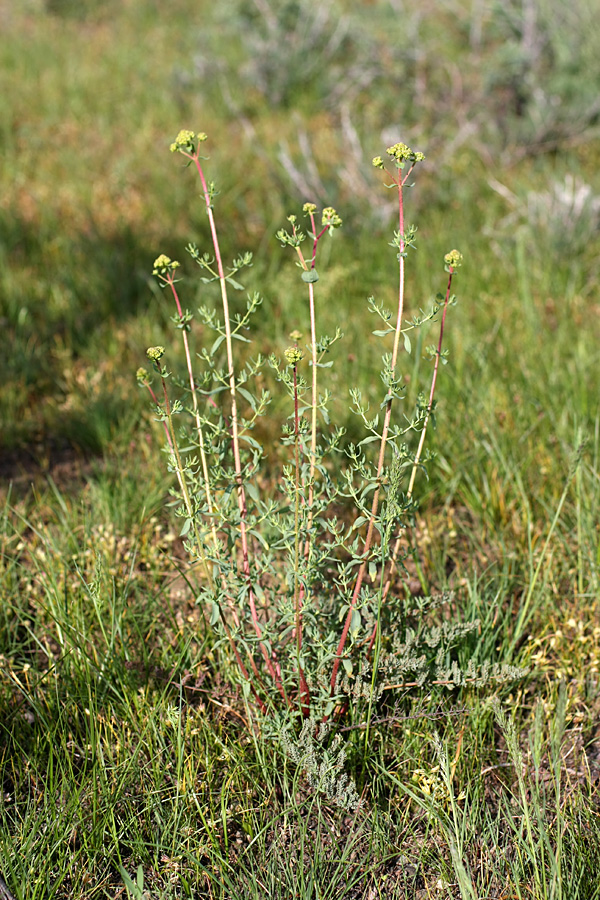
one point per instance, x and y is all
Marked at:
(303, 691)
(184, 488)
(432, 390)
(200, 431)
(241, 496)
(315, 401)
(384, 435)
(419, 452)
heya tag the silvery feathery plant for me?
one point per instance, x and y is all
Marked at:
(302, 578)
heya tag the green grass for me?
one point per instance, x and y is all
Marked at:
(122, 742)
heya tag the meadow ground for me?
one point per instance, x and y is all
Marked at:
(131, 763)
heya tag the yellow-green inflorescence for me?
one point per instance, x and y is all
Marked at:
(155, 353)
(330, 218)
(164, 264)
(142, 377)
(293, 355)
(186, 141)
(402, 153)
(453, 260)
(399, 154)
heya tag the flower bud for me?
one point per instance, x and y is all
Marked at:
(142, 376)
(453, 260)
(293, 355)
(330, 218)
(164, 264)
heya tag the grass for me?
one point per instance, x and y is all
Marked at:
(122, 742)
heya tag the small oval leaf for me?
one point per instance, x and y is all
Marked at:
(310, 277)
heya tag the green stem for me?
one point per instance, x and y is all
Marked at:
(184, 488)
(241, 496)
(303, 691)
(384, 435)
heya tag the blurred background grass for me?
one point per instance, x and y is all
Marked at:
(297, 98)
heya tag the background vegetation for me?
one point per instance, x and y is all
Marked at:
(122, 743)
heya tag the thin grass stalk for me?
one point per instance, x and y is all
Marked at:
(524, 612)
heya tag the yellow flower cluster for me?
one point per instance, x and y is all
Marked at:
(163, 264)
(330, 218)
(186, 141)
(293, 355)
(453, 259)
(401, 153)
(142, 376)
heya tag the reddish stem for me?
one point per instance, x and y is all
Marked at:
(384, 435)
(396, 549)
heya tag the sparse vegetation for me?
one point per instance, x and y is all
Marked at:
(132, 762)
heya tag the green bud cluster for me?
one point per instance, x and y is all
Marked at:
(330, 218)
(293, 355)
(400, 153)
(164, 264)
(142, 376)
(290, 240)
(453, 260)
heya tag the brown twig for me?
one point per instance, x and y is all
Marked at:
(5, 894)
